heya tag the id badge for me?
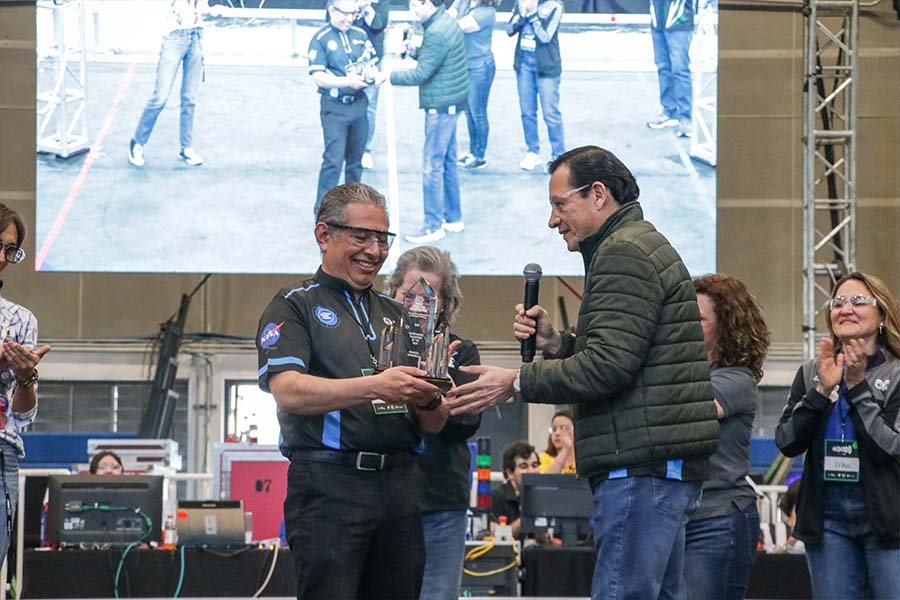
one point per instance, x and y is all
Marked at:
(842, 461)
(528, 43)
(382, 408)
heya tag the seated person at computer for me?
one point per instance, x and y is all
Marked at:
(788, 506)
(559, 457)
(518, 458)
(106, 462)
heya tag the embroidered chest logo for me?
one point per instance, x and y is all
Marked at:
(270, 335)
(327, 317)
(882, 384)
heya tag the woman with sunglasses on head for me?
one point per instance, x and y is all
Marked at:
(843, 412)
(19, 357)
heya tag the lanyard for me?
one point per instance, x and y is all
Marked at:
(843, 408)
(367, 331)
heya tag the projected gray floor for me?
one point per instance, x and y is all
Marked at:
(249, 207)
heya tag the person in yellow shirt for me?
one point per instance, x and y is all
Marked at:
(559, 457)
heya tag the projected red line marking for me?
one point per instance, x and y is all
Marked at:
(85, 168)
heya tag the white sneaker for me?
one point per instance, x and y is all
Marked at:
(530, 161)
(424, 235)
(662, 121)
(454, 227)
(367, 162)
(136, 154)
(191, 158)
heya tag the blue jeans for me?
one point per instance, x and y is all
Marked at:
(440, 175)
(445, 548)
(849, 564)
(10, 485)
(719, 553)
(481, 77)
(372, 95)
(673, 63)
(180, 47)
(639, 537)
(531, 87)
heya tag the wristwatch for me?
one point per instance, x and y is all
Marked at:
(517, 382)
(435, 402)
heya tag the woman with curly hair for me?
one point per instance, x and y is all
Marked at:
(722, 535)
(844, 412)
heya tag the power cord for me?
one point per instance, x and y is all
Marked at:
(479, 551)
(143, 538)
(181, 573)
(273, 547)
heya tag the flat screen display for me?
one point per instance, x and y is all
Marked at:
(256, 125)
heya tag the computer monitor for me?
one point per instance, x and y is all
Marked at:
(563, 502)
(104, 509)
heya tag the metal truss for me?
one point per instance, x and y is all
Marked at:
(705, 81)
(61, 121)
(831, 57)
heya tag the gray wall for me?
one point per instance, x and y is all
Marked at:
(759, 189)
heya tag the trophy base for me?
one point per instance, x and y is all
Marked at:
(442, 383)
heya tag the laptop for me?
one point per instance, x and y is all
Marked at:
(210, 523)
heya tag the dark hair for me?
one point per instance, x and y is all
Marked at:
(742, 336)
(10, 217)
(95, 462)
(588, 164)
(888, 309)
(513, 451)
(334, 205)
(789, 500)
(430, 260)
(551, 449)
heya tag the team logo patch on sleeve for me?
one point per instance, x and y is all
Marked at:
(327, 317)
(270, 335)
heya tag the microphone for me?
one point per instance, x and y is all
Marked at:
(532, 273)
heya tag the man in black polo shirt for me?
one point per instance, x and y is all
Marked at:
(339, 55)
(351, 512)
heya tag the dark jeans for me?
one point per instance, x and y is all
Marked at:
(344, 129)
(481, 77)
(440, 175)
(639, 536)
(719, 553)
(673, 63)
(849, 564)
(354, 534)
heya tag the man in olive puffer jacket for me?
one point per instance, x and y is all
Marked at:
(635, 369)
(443, 80)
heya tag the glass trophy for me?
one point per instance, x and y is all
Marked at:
(418, 339)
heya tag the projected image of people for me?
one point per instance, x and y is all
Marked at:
(451, 107)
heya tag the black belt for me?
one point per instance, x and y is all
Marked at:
(361, 461)
(345, 99)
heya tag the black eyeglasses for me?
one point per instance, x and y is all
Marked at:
(858, 300)
(13, 253)
(363, 237)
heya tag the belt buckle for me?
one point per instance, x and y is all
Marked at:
(347, 99)
(360, 467)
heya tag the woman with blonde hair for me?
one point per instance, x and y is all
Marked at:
(844, 412)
